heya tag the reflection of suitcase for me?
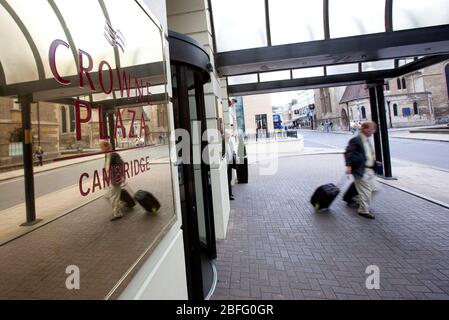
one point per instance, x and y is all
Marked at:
(324, 195)
(350, 194)
(126, 198)
(147, 200)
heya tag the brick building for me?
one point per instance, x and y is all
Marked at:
(416, 99)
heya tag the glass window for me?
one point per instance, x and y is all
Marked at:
(404, 84)
(15, 149)
(274, 76)
(377, 65)
(239, 24)
(415, 108)
(399, 83)
(409, 14)
(395, 110)
(356, 17)
(43, 33)
(308, 72)
(293, 21)
(387, 85)
(342, 69)
(247, 78)
(77, 199)
(20, 51)
(363, 112)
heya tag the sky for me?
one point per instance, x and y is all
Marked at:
(282, 98)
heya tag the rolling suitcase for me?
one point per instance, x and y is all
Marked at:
(324, 195)
(349, 195)
(147, 201)
(126, 198)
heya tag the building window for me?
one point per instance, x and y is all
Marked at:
(395, 110)
(415, 107)
(63, 120)
(15, 149)
(16, 105)
(399, 83)
(387, 86)
(72, 118)
(363, 112)
(404, 85)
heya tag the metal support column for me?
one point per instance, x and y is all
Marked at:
(111, 127)
(383, 128)
(27, 143)
(375, 118)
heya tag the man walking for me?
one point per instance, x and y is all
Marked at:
(230, 160)
(115, 168)
(360, 162)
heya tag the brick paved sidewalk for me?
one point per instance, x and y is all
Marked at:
(277, 247)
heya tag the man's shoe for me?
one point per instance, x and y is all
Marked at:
(367, 215)
(116, 218)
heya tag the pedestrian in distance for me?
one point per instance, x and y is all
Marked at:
(115, 167)
(39, 155)
(231, 161)
(360, 162)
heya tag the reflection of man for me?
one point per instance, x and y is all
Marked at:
(230, 161)
(360, 162)
(114, 166)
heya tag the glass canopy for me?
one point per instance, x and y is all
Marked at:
(243, 24)
(112, 34)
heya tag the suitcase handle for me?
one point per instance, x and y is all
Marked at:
(343, 179)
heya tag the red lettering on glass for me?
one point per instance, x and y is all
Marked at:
(78, 119)
(126, 84)
(103, 136)
(142, 125)
(131, 128)
(52, 57)
(96, 183)
(81, 185)
(118, 118)
(111, 79)
(84, 69)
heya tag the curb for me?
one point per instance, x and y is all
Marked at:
(46, 170)
(418, 195)
(421, 139)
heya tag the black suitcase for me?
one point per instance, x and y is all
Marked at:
(126, 198)
(147, 201)
(324, 195)
(349, 195)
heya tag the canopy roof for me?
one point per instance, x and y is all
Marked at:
(275, 45)
(124, 34)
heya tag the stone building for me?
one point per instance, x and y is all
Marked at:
(416, 99)
(258, 115)
(53, 128)
(45, 130)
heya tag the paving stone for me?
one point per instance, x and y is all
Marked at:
(274, 230)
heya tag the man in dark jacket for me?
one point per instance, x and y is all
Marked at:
(360, 162)
(115, 169)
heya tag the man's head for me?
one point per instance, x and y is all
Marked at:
(105, 146)
(368, 128)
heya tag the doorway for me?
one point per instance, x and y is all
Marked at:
(194, 173)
